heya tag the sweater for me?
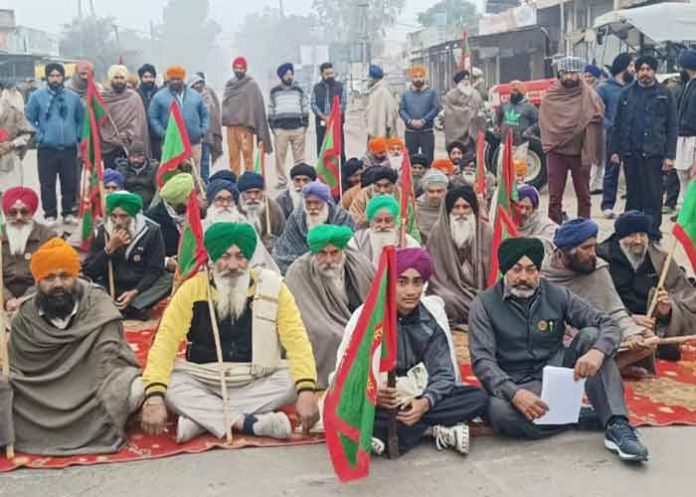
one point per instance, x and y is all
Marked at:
(57, 116)
(196, 117)
(288, 107)
(420, 104)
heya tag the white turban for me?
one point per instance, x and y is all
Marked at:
(117, 70)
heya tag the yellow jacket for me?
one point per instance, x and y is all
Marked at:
(177, 321)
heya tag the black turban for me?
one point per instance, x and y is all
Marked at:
(420, 159)
(147, 68)
(303, 170)
(376, 173)
(352, 166)
(621, 63)
(513, 249)
(647, 59)
(54, 66)
(467, 193)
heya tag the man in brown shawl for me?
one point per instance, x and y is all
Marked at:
(212, 140)
(15, 132)
(463, 108)
(74, 377)
(533, 222)
(244, 114)
(460, 249)
(434, 185)
(635, 264)
(330, 282)
(575, 266)
(571, 119)
(126, 125)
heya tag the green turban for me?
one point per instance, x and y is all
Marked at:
(220, 237)
(382, 202)
(513, 249)
(328, 234)
(176, 190)
(129, 202)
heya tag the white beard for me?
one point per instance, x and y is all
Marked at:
(17, 237)
(223, 215)
(463, 231)
(254, 213)
(635, 260)
(232, 294)
(318, 219)
(379, 240)
(295, 196)
(335, 276)
(132, 227)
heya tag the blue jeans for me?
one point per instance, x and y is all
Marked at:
(205, 162)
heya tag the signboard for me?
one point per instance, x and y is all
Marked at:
(510, 20)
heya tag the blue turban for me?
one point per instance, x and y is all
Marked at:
(528, 191)
(376, 72)
(225, 174)
(573, 233)
(317, 189)
(593, 70)
(250, 181)
(283, 68)
(113, 176)
(687, 59)
(632, 222)
(218, 185)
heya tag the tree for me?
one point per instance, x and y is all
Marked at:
(462, 12)
(348, 20)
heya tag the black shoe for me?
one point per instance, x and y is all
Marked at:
(624, 440)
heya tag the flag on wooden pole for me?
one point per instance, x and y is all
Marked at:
(329, 160)
(685, 228)
(176, 147)
(192, 254)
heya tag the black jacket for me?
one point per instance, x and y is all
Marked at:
(137, 266)
(686, 106)
(141, 182)
(169, 228)
(660, 139)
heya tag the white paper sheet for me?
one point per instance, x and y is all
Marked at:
(562, 394)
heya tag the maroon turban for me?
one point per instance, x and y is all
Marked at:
(19, 193)
(414, 258)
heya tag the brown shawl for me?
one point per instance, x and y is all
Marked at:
(243, 105)
(463, 115)
(214, 134)
(569, 113)
(19, 132)
(540, 226)
(427, 217)
(71, 387)
(128, 114)
(456, 272)
(325, 314)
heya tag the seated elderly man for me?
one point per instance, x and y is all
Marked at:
(75, 378)
(352, 172)
(259, 325)
(253, 202)
(533, 221)
(135, 248)
(317, 208)
(419, 166)
(428, 204)
(377, 153)
(574, 265)
(21, 237)
(428, 393)
(460, 255)
(383, 214)
(331, 282)
(300, 175)
(113, 181)
(516, 329)
(635, 265)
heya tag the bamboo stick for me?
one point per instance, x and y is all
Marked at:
(663, 277)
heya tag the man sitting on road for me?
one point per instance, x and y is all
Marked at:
(419, 166)
(300, 175)
(113, 181)
(21, 237)
(74, 377)
(138, 173)
(331, 282)
(516, 328)
(428, 391)
(259, 324)
(383, 214)
(533, 221)
(317, 208)
(635, 265)
(253, 202)
(135, 248)
(376, 153)
(428, 204)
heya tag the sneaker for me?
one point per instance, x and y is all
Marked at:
(50, 222)
(452, 437)
(624, 440)
(273, 425)
(70, 219)
(608, 214)
(378, 447)
(187, 429)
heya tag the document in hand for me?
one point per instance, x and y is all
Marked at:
(562, 394)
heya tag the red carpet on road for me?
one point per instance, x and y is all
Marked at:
(669, 399)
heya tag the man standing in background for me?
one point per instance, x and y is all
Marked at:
(322, 97)
(686, 142)
(212, 140)
(420, 105)
(147, 89)
(381, 106)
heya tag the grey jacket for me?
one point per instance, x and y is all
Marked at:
(511, 339)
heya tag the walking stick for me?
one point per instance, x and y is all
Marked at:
(4, 354)
(663, 277)
(221, 365)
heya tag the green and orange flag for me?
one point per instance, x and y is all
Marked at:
(329, 160)
(176, 147)
(351, 400)
(685, 229)
(92, 203)
(192, 254)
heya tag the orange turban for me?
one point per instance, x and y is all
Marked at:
(378, 146)
(443, 165)
(395, 141)
(54, 255)
(175, 72)
(418, 70)
(518, 85)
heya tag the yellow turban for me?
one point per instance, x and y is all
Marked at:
(418, 71)
(176, 190)
(117, 70)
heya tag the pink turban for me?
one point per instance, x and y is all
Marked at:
(414, 258)
(20, 194)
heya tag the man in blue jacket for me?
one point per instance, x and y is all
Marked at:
(420, 105)
(622, 74)
(57, 115)
(196, 117)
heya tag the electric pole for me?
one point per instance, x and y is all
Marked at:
(282, 11)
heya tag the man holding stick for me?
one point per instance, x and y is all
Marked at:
(252, 337)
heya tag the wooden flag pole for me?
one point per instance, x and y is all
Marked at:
(663, 277)
(221, 362)
(267, 209)
(4, 354)
(661, 341)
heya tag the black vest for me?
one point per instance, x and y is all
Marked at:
(235, 337)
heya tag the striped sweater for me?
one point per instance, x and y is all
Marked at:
(288, 107)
